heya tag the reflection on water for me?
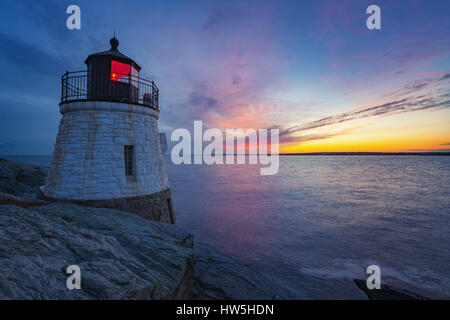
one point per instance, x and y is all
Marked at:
(322, 220)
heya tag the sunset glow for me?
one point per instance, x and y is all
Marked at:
(311, 69)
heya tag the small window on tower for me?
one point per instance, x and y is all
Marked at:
(129, 160)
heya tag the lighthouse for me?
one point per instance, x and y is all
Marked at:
(108, 151)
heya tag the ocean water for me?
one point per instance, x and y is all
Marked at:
(322, 220)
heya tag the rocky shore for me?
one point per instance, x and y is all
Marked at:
(121, 256)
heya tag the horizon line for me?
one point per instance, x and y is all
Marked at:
(439, 153)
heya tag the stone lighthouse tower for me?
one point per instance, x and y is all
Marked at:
(108, 151)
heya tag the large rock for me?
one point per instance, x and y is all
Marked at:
(20, 185)
(219, 276)
(386, 292)
(20, 179)
(121, 256)
(6, 198)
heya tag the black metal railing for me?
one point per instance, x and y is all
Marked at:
(117, 87)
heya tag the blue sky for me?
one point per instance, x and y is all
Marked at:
(310, 68)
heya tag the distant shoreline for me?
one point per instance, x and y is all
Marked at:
(309, 154)
(368, 154)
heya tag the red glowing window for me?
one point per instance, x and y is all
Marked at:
(122, 71)
(134, 72)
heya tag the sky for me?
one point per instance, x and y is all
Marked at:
(312, 69)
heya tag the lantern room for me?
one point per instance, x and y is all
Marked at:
(110, 76)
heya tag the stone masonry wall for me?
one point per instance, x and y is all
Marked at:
(88, 159)
(156, 207)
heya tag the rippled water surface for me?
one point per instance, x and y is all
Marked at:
(322, 220)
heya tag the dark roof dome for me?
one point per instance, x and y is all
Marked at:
(114, 53)
(114, 43)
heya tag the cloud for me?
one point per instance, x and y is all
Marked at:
(198, 99)
(436, 99)
(225, 68)
(389, 108)
(418, 85)
(28, 56)
(217, 17)
(5, 145)
(288, 139)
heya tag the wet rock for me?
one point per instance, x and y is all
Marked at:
(220, 276)
(387, 292)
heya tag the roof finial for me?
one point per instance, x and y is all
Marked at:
(114, 42)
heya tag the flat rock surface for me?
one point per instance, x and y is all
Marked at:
(121, 256)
